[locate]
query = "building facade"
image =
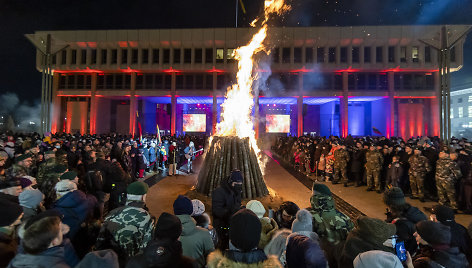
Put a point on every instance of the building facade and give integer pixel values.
(461, 113)
(327, 80)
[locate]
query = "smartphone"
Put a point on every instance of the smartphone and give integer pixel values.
(401, 251)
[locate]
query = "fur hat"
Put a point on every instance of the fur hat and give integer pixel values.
(269, 227)
(198, 207)
(303, 222)
(256, 207)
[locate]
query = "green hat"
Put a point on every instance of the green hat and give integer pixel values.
(137, 188)
(59, 168)
(49, 152)
(70, 175)
(22, 157)
(322, 189)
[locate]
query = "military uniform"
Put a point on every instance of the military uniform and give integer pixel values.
(17, 171)
(48, 176)
(419, 166)
(373, 166)
(341, 158)
(447, 174)
(131, 226)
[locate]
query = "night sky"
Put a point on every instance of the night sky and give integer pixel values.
(18, 17)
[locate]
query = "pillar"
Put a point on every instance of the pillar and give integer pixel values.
(436, 106)
(391, 98)
(56, 106)
(133, 106)
(300, 106)
(214, 107)
(93, 105)
(343, 106)
(173, 116)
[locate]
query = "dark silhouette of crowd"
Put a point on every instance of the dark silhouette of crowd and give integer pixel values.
(80, 201)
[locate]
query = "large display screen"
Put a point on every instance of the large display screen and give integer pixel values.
(194, 123)
(277, 123)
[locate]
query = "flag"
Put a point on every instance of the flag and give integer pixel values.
(376, 131)
(242, 6)
(158, 133)
(139, 128)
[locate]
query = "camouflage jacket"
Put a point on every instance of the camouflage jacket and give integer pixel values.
(16, 171)
(374, 160)
(329, 223)
(132, 227)
(44, 169)
(341, 157)
(447, 169)
(418, 165)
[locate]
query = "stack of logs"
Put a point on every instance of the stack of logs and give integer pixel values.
(228, 153)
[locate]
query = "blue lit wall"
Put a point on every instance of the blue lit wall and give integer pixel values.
(329, 119)
(364, 115)
(380, 112)
(311, 119)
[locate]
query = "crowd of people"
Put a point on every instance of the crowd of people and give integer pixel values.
(80, 201)
(424, 168)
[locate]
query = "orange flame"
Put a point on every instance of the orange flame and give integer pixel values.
(238, 104)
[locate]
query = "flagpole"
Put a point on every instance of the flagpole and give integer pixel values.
(237, 7)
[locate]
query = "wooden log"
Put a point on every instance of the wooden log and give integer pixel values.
(247, 172)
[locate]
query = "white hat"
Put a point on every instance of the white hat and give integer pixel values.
(256, 207)
(65, 186)
(198, 207)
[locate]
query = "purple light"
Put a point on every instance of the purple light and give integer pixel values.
(275, 101)
(364, 99)
(318, 101)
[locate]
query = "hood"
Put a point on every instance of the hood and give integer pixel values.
(52, 257)
(322, 203)
(188, 224)
(240, 260)
(374, 229)
(415, 215)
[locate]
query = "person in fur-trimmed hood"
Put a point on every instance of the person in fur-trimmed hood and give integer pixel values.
(244, 235)
(269, 226)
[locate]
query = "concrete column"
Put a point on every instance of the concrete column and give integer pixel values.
(133, 105)
(338, 55)
(300, 106)
(436, 111)
(214, 107)
(349, 55)
(93, 105)
(56, 106)
(344, 108)
(361, 55)
(173, 116)
(391, 98)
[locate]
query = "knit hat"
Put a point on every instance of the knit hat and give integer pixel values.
(443, 213)
(394, 196)
(44, 214)
(70, 175)
(31, 198)
(10, 212)
(65, 186)
(25, 182)
(322, 189)
(434, 233)
(303, 222)
(256, 207)
(304, 252)
(377, 259)
(168, 226)
(376, 229)
(198, 207)
(245, 230)
(183, 205)
(99, 259)
(137, 188)
(235, 176)
(59, 168)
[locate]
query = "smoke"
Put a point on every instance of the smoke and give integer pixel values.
(25, 115)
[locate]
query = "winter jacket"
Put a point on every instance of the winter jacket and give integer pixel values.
(358, 160)
(237, 259)
(394, 174)
(50, 258)
(449, 257)
(170, 257)
(225, 202)
(196, 241)
(269, 227)
(406, 227)
(75, 206)
(460, 238)
(8, 248)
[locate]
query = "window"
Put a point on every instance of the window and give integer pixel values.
(74, 56)
(148, 81)
(134, 56)
(62, 81)
(198, 55)
(469, 111)
(71, 81)
(230, 55)
(469, 100)
(199, 81)
(187, 55)
(286, 55)
(452, 113)
(308, 55)
(177, 52)
(124, 56)
(427, 54)
(209, 81)
(415, 54)
(80, 82)
(103, 58)
(209, 55)
(332, 54)
(94, 56)
(343, 54)
(64, 57)
(402, 54)
(179, 82)
(460, 112)
(379, 54)
(459, 100)
(54, 59)
(167, 81)
(88, 81)
(320, 54)
(145, 56)
(118, 81)
(114, 56)
(367, 56)
(166, 56)
(189, 82)
(220, 54)
(83, 56)
(127, 81)
(391, 54)
(276, 55)
(355, 54)
(155, 56)
(158, 80)
(297, 54)
(220, 81)
(453, 54)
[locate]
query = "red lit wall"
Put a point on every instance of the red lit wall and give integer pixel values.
(76, 119)
(410, 120)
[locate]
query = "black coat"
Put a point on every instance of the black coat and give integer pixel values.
(225, 202)
(451, 257)
(357, 160)
(460, 238)
(406, 227)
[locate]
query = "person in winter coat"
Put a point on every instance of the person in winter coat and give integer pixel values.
(244, 234)
(303, 225)
(31, 202)
(196, 241)
(226, 200)
(434, 240)
(357, 164)
(459, 236)
(394, 172)
(404, 216)
(369, 234)
(42, 245)
(377, 259)
(165, 251)
(203, 220)
(285, 215)
(11, 217)
(303, 251)
(116, 185)
(269, 226)
(152, 157)
(173, 159)
(278, 245)
(141, 164)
